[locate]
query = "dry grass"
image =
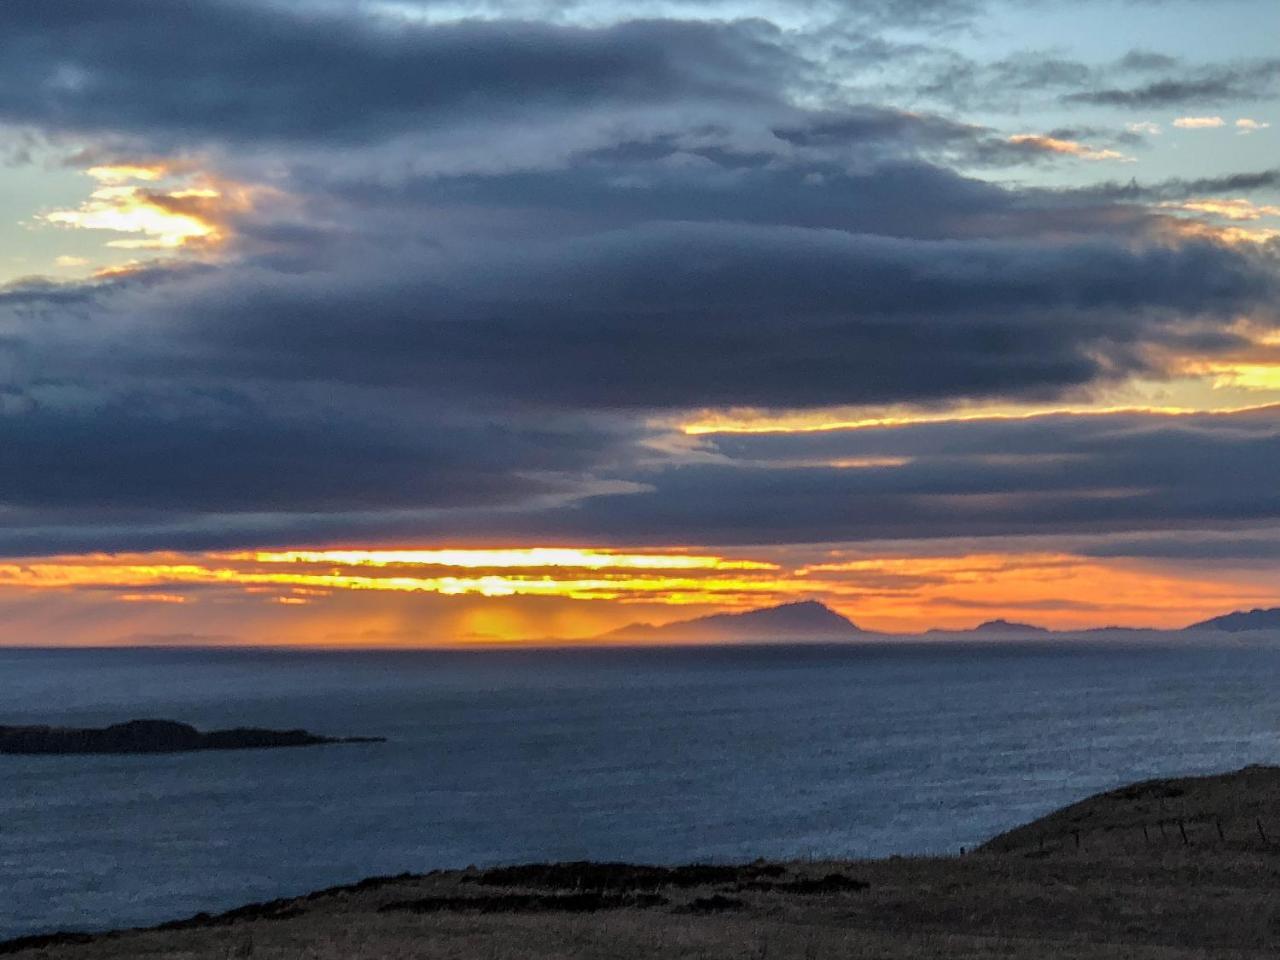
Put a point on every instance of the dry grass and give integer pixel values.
(1031, 893)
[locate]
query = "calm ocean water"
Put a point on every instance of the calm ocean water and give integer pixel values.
(656, 755)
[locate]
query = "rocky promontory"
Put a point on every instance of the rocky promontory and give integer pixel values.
(155, 736)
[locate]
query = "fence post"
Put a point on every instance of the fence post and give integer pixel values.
(1221, 835)
(1262, 833)
(1183, 830)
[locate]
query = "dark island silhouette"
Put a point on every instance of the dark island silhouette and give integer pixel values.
(804, 620)
(155, 736)
(1008, 626)
(997, 628)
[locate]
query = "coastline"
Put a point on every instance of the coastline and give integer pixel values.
(1162, 868)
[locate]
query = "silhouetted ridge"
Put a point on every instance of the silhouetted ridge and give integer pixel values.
(155, 736)
(1008, 626)
(1242, 620)
(805, 619)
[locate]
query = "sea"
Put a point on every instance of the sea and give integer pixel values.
(664, 755)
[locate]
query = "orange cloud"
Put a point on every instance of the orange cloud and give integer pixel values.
(817, 421)
(151, 598)
(1068, 147)
(1229, 209)
(1199, 123)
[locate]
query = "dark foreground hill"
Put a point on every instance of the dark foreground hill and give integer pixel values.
(154, 736)
(804, 620)
(1180, 869)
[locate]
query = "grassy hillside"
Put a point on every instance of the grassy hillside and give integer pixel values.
(1086, 881)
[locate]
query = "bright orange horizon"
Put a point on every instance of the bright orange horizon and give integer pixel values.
(435, 596)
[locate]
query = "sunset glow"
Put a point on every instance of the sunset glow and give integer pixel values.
(516, 557)
(893, 594)
(190, 212)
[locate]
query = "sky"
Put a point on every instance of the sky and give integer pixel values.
(346, 323)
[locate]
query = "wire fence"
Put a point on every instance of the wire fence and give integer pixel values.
(1236, 833)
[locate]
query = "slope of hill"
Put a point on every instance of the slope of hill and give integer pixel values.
(1241, 621)
(805, 620)
(1179, 869)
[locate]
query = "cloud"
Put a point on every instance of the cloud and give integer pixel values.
(1214, 83)
(1199, 123)
(181, 454)
(194, 214)
(1237, 209)
(1071, 148)
(1046, 78)
(1245, 126)
(470, 397)
(1194, 547)
(767, 315)
(1176, 188)
(328, 76)
(1045, 476)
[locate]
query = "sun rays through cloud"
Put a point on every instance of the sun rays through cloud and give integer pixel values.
(158, 207)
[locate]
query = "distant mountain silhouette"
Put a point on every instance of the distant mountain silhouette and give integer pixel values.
(806, 620)
(997, 628)
(1008, 626)
(1241, 621)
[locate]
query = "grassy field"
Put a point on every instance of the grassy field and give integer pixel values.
(1171, 868)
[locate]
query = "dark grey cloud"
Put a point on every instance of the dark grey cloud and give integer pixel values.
(414, 397)
(1045, 477)
(677, 315)
(867, 123)
(1115, 485)
(872, 133)
(1140, 79)
(221, 452)
(1175, 188)
(1206, 85)
(713, 185)
(1241, 546)
(237, 71)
